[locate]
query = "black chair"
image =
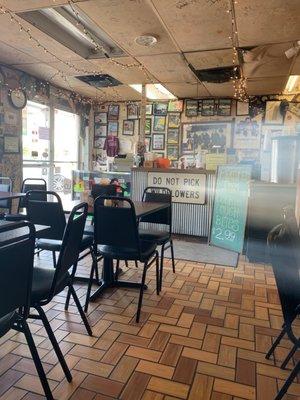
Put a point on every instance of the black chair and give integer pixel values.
(284, 246)
(15, 290)
(5, 186)
(51, 213)
(163, 217)
(48, 282)
(29, 184)
(116, 237)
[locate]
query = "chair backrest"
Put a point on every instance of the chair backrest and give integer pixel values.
(116, 225)
(284, 246)
(16, 269)
(158, 195)
(46, 212)
(71, 243)
(30, 184)
(103, 190)
(5, 186)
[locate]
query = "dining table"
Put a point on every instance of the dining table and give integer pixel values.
(108, 279)
(18, 233)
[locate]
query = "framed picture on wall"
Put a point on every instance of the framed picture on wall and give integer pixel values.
(207, 136)
(100, 130)
(173, 120)
(191, 108)
(224, 107)
(148, 109)
(112, 128)
(158, 141)
(159, 124)
(148, 124)
(160, 108)
(173, 136)
(11, 145)
(128, 127)
(99, 142)
(173, 152)
(113, 112)
(199, 107)
(208, 107)
(100, 118)
(242, 108)
(132, 111)
(175, 106)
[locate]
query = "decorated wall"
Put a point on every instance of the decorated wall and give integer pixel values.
(203, 131)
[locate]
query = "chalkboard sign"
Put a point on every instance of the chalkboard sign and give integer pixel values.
(230, 207)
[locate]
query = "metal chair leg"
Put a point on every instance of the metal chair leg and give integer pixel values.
(289, 356)
(136, 264)
(54, 343)
(81, 312)
(288, 382)
(276, 343)
(118, 269)
(69, 293)
(54, 259)
(141, 293)
(161, 265)
(157, 276)
(37, 361)
(94, 268)
(172, 255)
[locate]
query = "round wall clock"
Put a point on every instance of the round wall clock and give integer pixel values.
(18, 98)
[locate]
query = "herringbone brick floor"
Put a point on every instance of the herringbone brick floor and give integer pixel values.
(203, 338)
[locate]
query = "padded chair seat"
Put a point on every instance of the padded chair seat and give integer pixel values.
(42, 282)
(6, 322)
(15, 217)
(159, 237)
(55, 245)
(147, 249)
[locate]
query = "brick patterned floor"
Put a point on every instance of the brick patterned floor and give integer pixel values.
(203, 338)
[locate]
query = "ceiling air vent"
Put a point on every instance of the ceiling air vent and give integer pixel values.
(215, 75)
(99, 81)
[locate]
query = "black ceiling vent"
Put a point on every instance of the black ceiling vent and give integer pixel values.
(216, 75)
(99, 81)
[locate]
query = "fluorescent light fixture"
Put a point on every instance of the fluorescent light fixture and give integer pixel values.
(155, 91)
(293, 84)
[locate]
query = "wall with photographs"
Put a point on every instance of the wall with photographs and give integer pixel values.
(204, 132)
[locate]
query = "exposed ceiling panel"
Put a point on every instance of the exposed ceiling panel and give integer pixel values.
(210, 59)
(188, 90)
(196, 25)
(168, 68)
(267, 61)
(260, 86)
(220, 89)
(261, 22)
(10, 55)
(125, 20)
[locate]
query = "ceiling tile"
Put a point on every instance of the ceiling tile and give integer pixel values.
(196, 25)
(210, 59)
(168, 68)
(262, 22)
(296, 66)
(124, 20)
(25, 5)
(259, 86)
(220, 89)
(187, 90)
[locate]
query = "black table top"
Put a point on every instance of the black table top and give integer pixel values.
(10, 195)
(20, 233)
(141, 208)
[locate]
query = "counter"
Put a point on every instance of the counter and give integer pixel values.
(192, 192)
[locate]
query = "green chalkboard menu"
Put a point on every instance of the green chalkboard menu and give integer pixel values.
(230, 207)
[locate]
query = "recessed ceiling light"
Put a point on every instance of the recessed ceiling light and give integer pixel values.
(146, 40)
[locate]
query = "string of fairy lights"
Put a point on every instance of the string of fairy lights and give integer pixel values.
(239, 81)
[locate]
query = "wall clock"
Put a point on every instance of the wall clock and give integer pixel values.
(18, 98)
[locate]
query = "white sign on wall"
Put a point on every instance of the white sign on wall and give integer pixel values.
(186, 188)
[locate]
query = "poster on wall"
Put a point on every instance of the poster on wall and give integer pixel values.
(210, 136)
(246, 133)
(273, 114)
(268, 132)
(99, 142)
(173, 152)
(175, 106)
(11, 144)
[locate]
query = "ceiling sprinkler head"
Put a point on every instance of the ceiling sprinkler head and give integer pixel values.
(146, 40)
